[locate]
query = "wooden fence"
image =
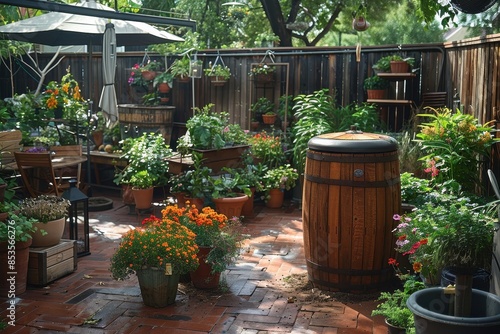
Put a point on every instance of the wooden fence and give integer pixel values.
(468, 71)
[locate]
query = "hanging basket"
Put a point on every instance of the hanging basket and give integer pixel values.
(472, 6)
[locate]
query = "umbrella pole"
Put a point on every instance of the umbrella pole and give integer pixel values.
(89, 115)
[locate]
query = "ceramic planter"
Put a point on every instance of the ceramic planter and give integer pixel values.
(431, 309)
(53, 233)
(400, 66)
(230, 206)
(269, 119)
(376, 94)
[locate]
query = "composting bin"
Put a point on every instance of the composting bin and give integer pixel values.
(351, 192)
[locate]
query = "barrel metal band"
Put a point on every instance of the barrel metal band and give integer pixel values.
(352, 159)
(349, 183)
(349, 272)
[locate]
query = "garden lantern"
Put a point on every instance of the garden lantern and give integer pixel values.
(79, 204)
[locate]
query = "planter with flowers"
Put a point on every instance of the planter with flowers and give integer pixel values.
(460, 236)
(14, 236)
(63, 100)
(158, 252)
(217, 237)
(218, 74)
(276, 181)
(267, 150)
(50, 213)
(263, 73)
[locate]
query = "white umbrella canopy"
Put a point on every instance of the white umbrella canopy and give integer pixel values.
(108, 102)
(57, 28)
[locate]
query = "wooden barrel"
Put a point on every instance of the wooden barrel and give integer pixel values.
(351, 192)
(136, 119)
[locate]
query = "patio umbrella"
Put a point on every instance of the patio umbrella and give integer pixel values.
(57, 29)
(108, 102)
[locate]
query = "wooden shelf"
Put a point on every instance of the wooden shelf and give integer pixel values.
(397, 76)
(390, 102)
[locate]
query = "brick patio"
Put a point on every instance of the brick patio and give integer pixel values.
(265, 292)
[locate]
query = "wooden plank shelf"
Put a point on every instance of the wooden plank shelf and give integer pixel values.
(390, 102)
(396, 76)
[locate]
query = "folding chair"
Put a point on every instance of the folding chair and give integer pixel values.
(37, 173)
(63, 175)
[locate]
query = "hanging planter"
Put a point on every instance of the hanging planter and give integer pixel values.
(218, 74)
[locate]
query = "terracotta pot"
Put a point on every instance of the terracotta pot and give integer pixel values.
(53, 233)
(203, 278)
(400, 66)
(199, 203)
(230, 206)
(148, 75)
(157, 289)
(143, 197)
(98, 138)
(269, 119)
(181, 199)
(127, 196)
(378, 94)
(247, 209)
(254, 125)
(21, 268)
(163, 87)
(276, 198)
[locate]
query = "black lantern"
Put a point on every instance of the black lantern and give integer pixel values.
(79, 204)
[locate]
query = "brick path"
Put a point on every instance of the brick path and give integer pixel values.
(267, 291)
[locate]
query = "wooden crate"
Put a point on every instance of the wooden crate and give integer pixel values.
(46, 264)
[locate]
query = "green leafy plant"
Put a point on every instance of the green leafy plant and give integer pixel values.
(180, 67)
(145, 153)
(285, 107)
(206, 128)
(158, 243)
(317, 113)
(163, 77)
(212, 230)
(154, 66)
(44, 208)
(283, 177)
(375, 82)
(233, 134)
(23, 226)
(195, 182)
(393, 306)
(229, 184)
(218, 70)
(454, 146)
(142, 180)
(261, 106)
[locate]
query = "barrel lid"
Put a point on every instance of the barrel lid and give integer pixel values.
(353, 141)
